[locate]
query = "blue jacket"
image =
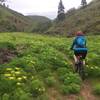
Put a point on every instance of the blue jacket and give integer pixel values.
(75, 47)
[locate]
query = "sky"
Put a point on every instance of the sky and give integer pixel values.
(42, 7)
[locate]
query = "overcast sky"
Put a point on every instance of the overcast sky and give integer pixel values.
(42, 7)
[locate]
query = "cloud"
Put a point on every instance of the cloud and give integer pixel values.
(41, 6)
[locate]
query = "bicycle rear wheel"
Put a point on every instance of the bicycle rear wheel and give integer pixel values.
(81, 71)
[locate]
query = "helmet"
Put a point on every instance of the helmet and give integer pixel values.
(79, 33)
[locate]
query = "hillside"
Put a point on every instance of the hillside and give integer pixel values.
(39, 19)
(36, 67)
(86, 19)
(40, 23)
(13, 21)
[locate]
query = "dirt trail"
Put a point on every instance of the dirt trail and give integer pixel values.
(85, 94)
(86, 91)
(54, 94)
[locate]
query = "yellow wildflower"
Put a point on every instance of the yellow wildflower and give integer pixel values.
(17, 68)
(92, 68)
(17, 72)
(87, 66)
(43, 89)
(96, 67)
(68, 77)
(39, 89)
(19, 79)
(11, 78)
(7, 75)
(8, 69)
(32, 77)
(32, 62)
(24, 77)
(18, 83)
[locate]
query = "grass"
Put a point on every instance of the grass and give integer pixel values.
(41, 62)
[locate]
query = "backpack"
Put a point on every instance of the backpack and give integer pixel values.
(81, 41)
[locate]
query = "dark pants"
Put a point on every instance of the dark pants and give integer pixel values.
(83, 53)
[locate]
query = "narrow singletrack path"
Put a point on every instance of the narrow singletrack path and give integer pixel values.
(85, 93)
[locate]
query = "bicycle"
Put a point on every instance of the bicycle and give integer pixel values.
(79, 67)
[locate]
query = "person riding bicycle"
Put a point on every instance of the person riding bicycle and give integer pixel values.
(79, 47)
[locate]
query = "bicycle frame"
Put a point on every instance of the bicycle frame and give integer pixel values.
(80, 67)
(80, 59)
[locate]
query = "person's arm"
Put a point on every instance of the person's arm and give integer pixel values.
(73, 44)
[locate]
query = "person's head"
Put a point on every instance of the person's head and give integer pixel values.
(79, 33)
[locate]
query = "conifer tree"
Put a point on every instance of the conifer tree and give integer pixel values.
(2, 2)
(61, 12)
(83, 3)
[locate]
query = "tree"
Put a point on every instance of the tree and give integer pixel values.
(61, 12)
(83, 3)
(2, 1)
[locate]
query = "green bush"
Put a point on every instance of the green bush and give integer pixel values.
(37, 87)
(7, 45)
(50, 81)
(6, 96)
(69, 77)
(41, 97)
(72, 78)
(46, 73)
(96, 89)
(70, 89)
(42, 27)
(20, 94)
(62, 71)
(7, 86)
(93, 71)
(54, 58)
(75, 88)
(71, 82)
(64, 89)
(41, 65)
(22, 62)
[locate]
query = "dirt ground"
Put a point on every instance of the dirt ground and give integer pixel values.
(6, 55)
(85, 94)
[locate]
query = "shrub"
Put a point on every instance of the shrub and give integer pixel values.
(54, 58)
(46, 73)
(70, 89)
(72, 78)
(37, 87)
(62, 71)
(50, 81)
(7, 86)
(75, 88)
(5, 97)
(64, 89)
(93, 71)
(69, 77)
(41, 97)
(23, 62)
(42, 27)
(20, 94)
(7, 45)
(96, 89)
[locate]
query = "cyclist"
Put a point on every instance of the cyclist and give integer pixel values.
(79, 47)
